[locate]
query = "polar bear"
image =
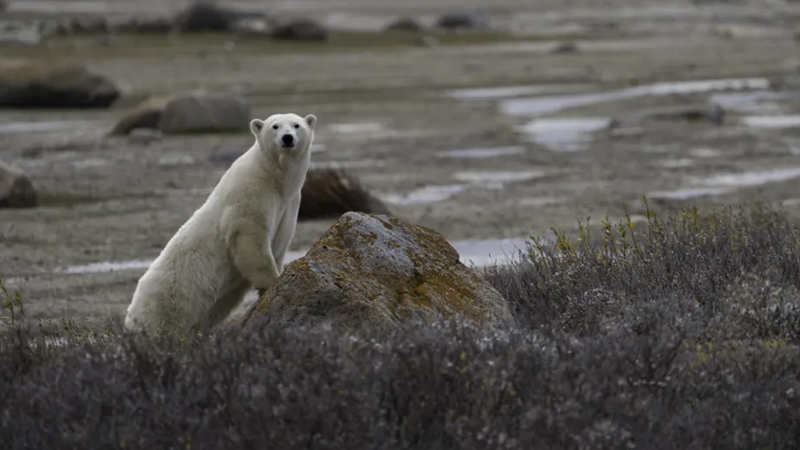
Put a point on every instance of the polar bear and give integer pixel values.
(235, 241)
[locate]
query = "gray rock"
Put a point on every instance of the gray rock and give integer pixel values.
(16, 189)
(203, 113)
(43, 85)
(376, 271)
(565, 47)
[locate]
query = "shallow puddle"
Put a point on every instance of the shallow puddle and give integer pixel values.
(427, 194)
(754, 178)
(538, 106)
(482, 153)
(134, 264)
(724, 183)
(674, 163)
(499, 176)
(477, 252)
(497, 93)
(789, 121)
(564, 135)
(357, 128)
(706, 152)
(108, 266)
(759, 102)
(688, 193)
(539, 201)
(491, 251)
(345, 164)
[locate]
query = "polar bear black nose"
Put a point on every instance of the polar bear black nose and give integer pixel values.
(287, 139)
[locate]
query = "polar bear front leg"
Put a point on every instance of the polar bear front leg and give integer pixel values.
(252, 255)
(285, 232)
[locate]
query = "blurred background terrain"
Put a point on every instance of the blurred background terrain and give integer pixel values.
(487, 121)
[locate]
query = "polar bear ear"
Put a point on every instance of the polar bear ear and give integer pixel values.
(311, 120)
(256, 125)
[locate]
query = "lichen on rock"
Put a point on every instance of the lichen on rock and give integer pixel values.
(376, 271)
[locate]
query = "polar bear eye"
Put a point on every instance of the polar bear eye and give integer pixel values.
(297, 125)
(275, 127)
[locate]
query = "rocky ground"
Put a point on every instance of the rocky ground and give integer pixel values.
(551, 136)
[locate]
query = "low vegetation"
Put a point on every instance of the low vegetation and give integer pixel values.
(678, 332)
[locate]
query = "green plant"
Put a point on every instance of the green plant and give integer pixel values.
(12, 310)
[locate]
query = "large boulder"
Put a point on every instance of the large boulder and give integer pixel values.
(376, 271)
(42, 85)
(187, 113)
(331, 192)
(16, 189)
(194, 113)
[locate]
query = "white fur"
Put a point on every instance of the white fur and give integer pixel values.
(235, 241)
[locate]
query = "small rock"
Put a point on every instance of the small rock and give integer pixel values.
(404, 24)
(204, 113)
(329, 193)
(463, 19)
(565, 47)
(16, 189)
(300, 30)
(376, 271)
(43, 85)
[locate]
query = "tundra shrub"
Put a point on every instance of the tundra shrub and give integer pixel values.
(675, 333)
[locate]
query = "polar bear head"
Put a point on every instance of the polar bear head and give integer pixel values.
(284, 132)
